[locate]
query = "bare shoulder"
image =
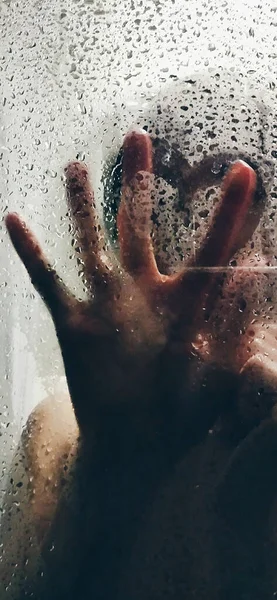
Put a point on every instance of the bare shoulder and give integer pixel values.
(35, 483)
(48, 445)
(50, 430)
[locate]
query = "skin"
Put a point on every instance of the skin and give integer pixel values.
(132, 353)
(174, 168)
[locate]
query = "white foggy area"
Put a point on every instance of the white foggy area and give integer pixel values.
(75, 76)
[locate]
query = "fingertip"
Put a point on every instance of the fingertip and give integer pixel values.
(15, 224)
(11, 218)
(75, 170)
(240, 177)
(78, 188)
(137, 154)
(137, 133)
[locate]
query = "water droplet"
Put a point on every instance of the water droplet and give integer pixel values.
(81, 156)
(242, 305)
(52, 174)
(216, 167)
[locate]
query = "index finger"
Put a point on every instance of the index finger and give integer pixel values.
(237, 195)
(196, 282)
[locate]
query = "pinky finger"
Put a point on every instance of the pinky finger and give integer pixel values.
(44, 278)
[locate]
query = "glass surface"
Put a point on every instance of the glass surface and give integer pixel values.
(75, 77)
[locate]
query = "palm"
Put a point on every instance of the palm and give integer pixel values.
(129, 349)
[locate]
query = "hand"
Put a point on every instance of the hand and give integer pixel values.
(132, 357)
(129, 349)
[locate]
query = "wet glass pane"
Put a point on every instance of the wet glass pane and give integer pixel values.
(200, 79)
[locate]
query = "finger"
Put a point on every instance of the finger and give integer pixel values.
(43, 276)
(237, 196)
(90, 237)
(228, 223)
(201, 278)
(135, 211)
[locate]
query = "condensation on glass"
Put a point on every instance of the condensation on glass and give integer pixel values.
(75, 76)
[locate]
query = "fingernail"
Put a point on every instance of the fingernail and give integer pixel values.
(240, 175)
